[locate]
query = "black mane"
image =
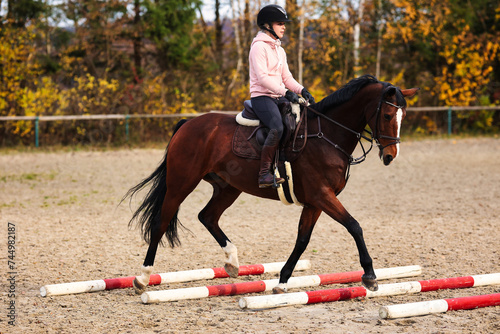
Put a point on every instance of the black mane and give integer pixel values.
(345, 93)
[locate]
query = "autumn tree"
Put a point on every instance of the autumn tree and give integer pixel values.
(162, 56)
(169, 25)
(97, 27)
(329, 54)
(451, 44)
(19, 12)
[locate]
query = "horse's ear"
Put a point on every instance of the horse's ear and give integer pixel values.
(390, 91)
(410, 92)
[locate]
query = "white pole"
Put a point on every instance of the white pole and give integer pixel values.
(231, 289)
(438, 306)
(318, 296)
(163, 278)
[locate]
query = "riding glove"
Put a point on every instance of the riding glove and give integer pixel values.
(306, 95)
(292, 97)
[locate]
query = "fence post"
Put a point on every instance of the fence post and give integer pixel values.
(36, 131)
(449, 121)
(127, 117)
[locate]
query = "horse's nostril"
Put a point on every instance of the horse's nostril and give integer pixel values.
(388, 159)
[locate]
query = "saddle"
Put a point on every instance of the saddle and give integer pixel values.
(250, 135)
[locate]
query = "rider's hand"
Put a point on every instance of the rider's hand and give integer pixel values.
(292, 97)
(306, 95)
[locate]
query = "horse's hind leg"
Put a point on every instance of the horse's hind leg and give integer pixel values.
(164, 222)
(223, 197)
(168, 218)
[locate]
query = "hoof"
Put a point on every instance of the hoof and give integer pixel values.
(138, 287)
(370, 283)
(278, 291)
(231, 270)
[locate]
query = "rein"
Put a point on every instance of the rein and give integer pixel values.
(320, 135)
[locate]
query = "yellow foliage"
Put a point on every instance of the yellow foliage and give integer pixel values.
(44, 99)
(17, 71)
(16, 67)
(154, 92)
(160, 98)
(92, 95)
(469, 60)
(316, 89)
(430, 124)
(397, 80)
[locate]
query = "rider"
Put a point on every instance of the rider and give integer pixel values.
(270, 83)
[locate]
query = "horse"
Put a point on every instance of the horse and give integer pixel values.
(200, 149)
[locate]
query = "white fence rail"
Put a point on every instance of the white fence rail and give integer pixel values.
(38, 119)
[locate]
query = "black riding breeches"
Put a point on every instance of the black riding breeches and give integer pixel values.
(268, 112)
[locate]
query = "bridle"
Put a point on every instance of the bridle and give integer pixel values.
(377, 136)
(370, 137)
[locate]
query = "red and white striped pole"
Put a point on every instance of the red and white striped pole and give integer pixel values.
(438, 306)
(171, 277)
(322, 296)
(150, 297)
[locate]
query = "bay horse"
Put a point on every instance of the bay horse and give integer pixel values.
(201, 149)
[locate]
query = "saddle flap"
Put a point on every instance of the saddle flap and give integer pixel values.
(244, 143)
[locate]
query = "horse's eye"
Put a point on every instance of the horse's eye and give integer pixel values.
(387, 117)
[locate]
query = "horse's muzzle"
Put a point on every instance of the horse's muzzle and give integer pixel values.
(388, 153)
(388, 159)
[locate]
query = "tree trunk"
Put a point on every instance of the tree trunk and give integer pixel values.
(247, 38)
(379, 49)
(357, 32)
(239, 49)
(137, 41)
(10, 14)
(380, 28)
(292, 31)
(206, 32)
(218, 36)
(301, 43)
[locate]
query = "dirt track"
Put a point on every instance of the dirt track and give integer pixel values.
(436, 206)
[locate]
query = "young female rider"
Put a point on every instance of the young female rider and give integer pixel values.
(270, 82)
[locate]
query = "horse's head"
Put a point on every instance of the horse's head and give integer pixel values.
(386, 124)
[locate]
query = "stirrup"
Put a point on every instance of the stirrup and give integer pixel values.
(275, 182)
(274, 185)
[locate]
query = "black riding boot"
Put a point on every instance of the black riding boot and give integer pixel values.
(266, 179)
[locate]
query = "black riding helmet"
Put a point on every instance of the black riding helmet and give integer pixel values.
(269, 14)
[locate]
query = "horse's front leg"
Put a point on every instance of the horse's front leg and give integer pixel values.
(307, 221)
(336, 210)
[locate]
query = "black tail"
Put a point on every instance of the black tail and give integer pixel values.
(148, 215)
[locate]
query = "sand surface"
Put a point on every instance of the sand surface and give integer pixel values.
(437, 205)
